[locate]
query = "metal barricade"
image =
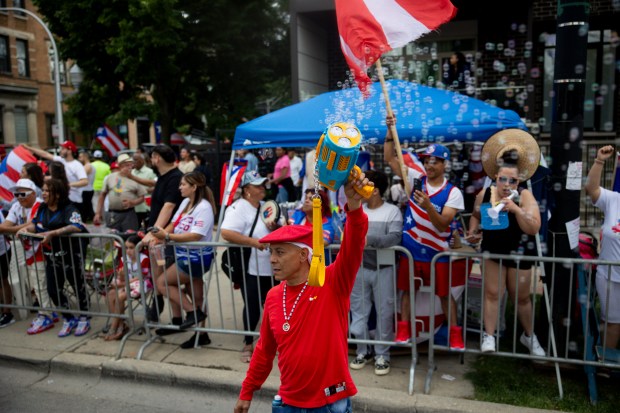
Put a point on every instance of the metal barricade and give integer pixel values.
(581, 296)
(70, 276)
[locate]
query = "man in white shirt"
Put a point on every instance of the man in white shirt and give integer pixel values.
(19, 216)
(296, 165)
(76, 174)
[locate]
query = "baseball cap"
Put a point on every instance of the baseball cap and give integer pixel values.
(69, 145)
(114, 165)
(436, 150)
(299, 235)
(24, 183)
(97, 154)
(123, 157)
(252, 178)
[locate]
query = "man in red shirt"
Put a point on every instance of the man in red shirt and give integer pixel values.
(307, 326)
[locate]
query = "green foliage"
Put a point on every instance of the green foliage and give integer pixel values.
(172, 60)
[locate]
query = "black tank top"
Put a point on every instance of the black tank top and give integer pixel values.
(509, 241)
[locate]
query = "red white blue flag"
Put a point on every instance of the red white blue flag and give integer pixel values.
(370, 28)
(10, 169)
(109, 140)
(412, 161)
(228, 191)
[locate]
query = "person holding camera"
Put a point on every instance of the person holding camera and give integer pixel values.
(433, 204)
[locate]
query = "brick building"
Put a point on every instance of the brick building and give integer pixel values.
(27, 90)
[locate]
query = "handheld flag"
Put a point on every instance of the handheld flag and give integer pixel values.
(236, 174)
(370, 28)
(10, 169)
(109, 140)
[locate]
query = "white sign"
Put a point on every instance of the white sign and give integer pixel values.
(54, 130)
(572, 229)
(573, 176)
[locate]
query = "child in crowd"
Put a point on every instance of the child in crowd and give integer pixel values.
(136, 269)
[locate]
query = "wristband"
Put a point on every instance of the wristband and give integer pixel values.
(389, 140)
(167, 237)
(598, 161)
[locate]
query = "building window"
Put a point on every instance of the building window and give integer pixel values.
(1, 125)
(3, 4)
(50, 53)
(600, 82)
(5, 56)
(21, 125)
(19, 4)
(23, 62)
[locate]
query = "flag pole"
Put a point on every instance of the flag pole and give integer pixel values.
(613, 175)
(388, 106)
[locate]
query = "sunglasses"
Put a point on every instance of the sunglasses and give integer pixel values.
(506, 180)
(22, 194)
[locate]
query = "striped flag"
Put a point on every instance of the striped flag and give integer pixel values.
(109, 140)
(10, 169)
(370, 28)
(233, 183)
(412, 161)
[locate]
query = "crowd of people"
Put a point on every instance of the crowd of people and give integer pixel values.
(182, 209)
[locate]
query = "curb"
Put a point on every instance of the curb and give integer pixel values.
(367, 400)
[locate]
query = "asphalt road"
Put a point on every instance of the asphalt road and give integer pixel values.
(23, 390)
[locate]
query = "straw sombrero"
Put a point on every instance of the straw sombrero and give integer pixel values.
(516, 140)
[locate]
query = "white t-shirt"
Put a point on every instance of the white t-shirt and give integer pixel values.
(609, 203)
(296, 165)
(198, 220)
(239, 218)
(75, 171)
(455, 199)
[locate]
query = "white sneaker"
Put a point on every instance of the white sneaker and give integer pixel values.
(532, 345)
(488, 343)
(382, 366)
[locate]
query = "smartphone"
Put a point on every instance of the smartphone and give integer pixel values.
(417, 184)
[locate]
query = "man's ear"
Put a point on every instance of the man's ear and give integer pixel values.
(303, 255)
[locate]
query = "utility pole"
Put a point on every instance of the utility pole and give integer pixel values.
(566, 136)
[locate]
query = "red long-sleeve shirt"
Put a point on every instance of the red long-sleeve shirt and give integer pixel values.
(313, 354)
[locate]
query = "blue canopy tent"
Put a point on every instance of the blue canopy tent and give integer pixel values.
(424, 114)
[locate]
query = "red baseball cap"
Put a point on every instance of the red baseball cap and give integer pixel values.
(69, 145)
(114, 165)
(295, 234)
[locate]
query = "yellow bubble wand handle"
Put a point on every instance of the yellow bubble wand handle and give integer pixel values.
(316, 277)
(366, 190)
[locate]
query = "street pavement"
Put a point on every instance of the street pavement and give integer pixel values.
(217, 367)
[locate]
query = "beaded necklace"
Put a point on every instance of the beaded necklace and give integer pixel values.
(286, 326)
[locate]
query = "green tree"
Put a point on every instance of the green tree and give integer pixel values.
(176, 61)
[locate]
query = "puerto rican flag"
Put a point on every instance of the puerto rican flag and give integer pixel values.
(370, 28)
(228, 191)
(109, 140)
(412, 161)
(10, 169)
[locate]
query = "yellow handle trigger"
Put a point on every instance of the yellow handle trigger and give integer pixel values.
(366, 190)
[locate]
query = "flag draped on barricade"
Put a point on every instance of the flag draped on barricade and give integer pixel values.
(370, 28)
(109, 140)
(10, 169)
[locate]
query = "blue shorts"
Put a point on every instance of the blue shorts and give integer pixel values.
(195, 268)
(340, 406)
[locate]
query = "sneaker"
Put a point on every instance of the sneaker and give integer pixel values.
(488, 343)
(193, 317)
(382, 366)
(55, 317)
(456, 338)
(67, 327)
(360, 361)
(6, 319)
(203, 340)
(83, 327)
(532, 345)
(403, 332)
(40, 324)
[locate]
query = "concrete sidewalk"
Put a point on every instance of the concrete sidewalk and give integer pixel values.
(217, 367)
